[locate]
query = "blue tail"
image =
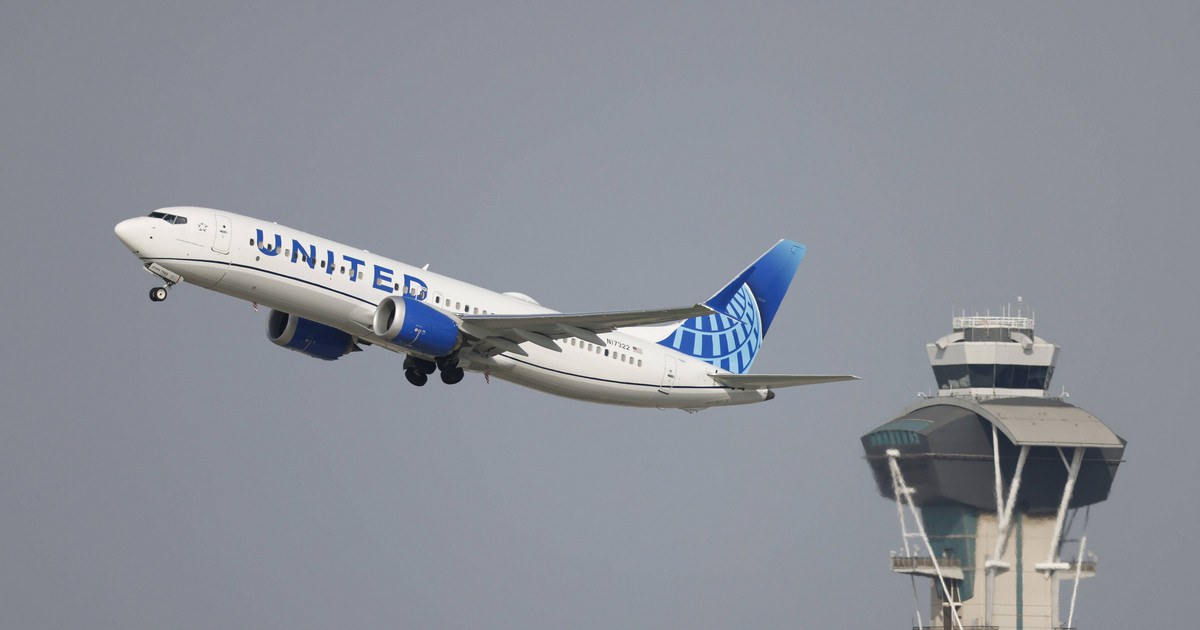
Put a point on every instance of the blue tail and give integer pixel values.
(747, 306)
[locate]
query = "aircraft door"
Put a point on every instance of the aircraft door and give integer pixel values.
(670, 370)
(223, 235)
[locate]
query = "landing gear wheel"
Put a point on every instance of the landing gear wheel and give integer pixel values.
(425, 367)
(452, 376)
(158, 294)
(416, 378)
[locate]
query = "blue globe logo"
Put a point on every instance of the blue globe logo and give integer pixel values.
(728, 341)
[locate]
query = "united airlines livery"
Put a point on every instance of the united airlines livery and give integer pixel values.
(328, 299)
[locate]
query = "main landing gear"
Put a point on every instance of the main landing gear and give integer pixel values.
(451, 373)
(417, 371)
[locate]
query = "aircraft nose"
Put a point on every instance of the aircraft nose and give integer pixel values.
(128, 232)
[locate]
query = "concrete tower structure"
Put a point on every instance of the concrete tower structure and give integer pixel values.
(989, 476)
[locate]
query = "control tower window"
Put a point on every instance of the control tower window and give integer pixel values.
(1039, 376)
(983, 375)
(951, 376)
(988, 375)
(1020, 377)
(1004, 375)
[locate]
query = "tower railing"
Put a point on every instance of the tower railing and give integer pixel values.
(923, 562)
(988, 321)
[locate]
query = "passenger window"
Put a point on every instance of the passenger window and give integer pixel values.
(639, 363)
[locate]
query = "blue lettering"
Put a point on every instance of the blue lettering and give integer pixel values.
(354, 263)
(383, 279)
(415, 287)
(268, 250)
(329, 262)
(309, 257)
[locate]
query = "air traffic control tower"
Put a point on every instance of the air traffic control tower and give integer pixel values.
(993, 481)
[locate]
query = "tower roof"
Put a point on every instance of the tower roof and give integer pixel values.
(1028, 421)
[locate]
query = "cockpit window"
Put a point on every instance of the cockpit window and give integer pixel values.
(169, 218)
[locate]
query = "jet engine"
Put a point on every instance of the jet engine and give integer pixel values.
(308, 337)
(416, 326)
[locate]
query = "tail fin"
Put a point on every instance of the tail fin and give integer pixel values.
(746, 307)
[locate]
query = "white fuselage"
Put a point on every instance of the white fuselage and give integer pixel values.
(340, 286)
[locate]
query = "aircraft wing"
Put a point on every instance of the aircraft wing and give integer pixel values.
(494, 334)
(759, 381)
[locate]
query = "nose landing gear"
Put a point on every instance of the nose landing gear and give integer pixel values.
(158, 294)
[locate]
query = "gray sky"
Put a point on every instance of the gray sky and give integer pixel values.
(163, 465)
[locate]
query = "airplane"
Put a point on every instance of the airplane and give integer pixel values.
(328, 299)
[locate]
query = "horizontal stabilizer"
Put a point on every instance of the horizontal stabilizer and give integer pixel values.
(760, 381)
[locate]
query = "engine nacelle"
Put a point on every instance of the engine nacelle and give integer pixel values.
(308, 337)
(416, 326)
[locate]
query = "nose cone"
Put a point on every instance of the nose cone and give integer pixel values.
(129, 232)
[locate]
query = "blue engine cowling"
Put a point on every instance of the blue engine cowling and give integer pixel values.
(308, 337)
(416, 326)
